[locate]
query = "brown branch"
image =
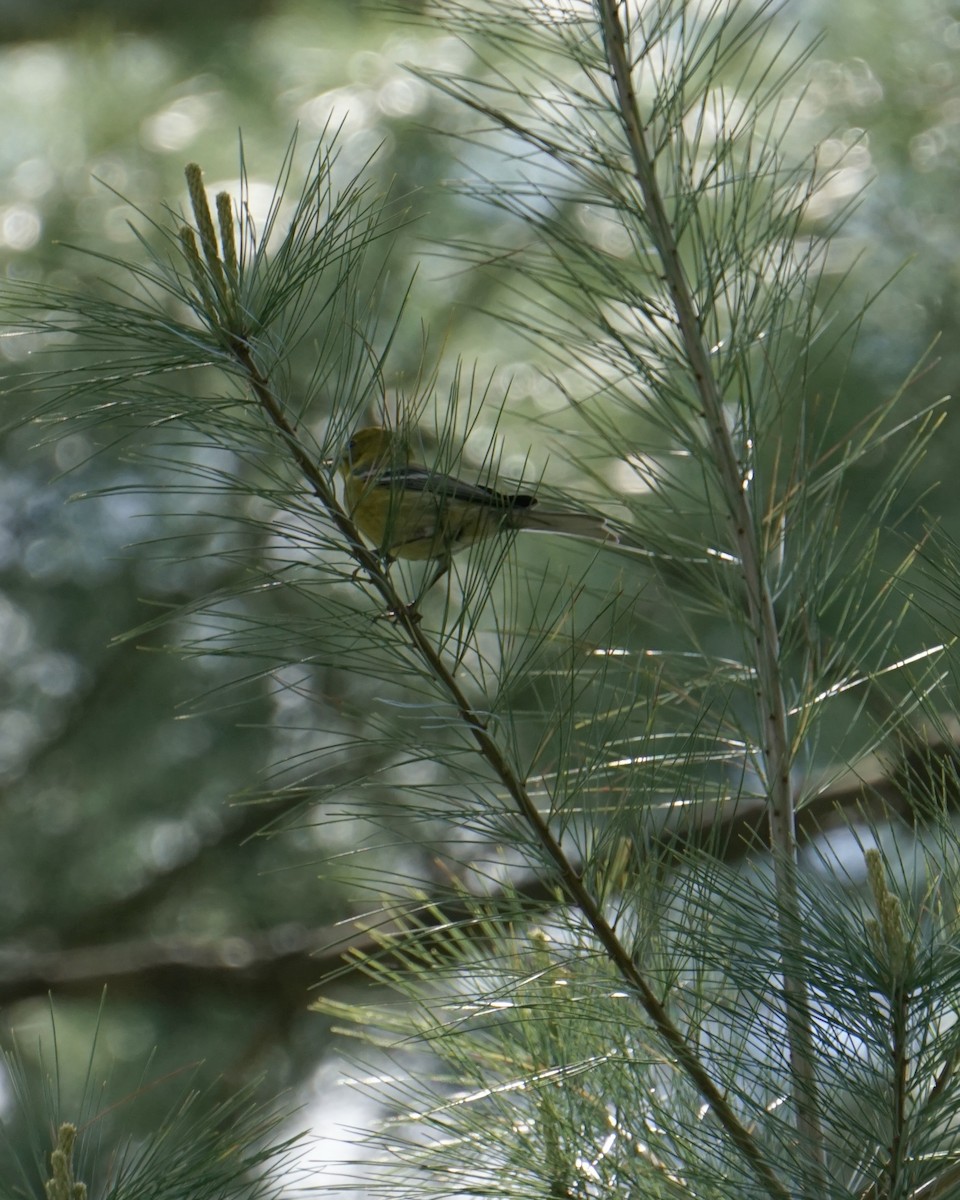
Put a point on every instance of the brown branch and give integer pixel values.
(287, 959)
(871, 792)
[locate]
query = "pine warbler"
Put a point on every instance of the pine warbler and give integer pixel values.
(414, 512)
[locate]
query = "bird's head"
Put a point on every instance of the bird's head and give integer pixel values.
(367, 448)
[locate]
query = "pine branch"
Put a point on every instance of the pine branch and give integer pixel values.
(409, 624)
(771, 705)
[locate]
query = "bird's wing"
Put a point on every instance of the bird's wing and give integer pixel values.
(448, 487)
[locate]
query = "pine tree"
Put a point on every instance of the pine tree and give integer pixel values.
(625, 976)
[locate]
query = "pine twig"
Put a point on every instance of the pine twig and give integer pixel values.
(771, 703)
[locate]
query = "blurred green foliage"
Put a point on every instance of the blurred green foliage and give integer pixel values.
(122, 767)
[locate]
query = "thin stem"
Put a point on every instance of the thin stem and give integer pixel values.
(900, 1007)
(889, 940)
(771, 705)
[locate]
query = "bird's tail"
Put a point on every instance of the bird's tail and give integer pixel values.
(574, 524)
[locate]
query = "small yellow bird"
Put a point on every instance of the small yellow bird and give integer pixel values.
(414, 512)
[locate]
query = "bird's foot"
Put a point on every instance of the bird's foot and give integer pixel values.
(407, 614)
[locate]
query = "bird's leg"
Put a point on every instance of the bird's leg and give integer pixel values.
(443, 566)
(385, 560)
(411, 609)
